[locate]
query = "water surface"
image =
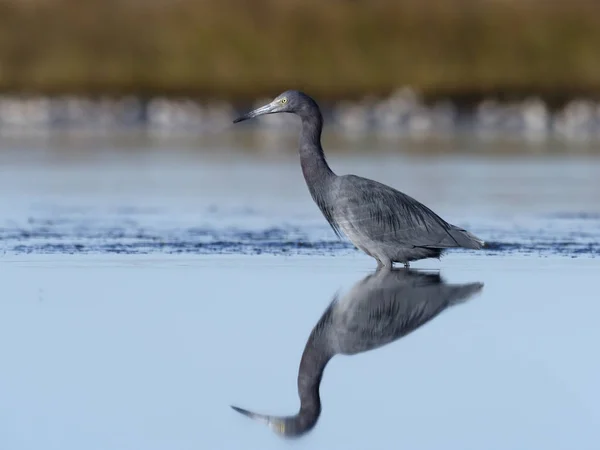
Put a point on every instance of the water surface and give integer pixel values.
(144, 292)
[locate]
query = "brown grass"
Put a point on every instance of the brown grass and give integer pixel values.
(332, 48)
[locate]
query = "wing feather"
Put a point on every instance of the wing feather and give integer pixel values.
(385, 214)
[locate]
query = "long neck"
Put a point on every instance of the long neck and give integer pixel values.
(314, 166)
(315, 357)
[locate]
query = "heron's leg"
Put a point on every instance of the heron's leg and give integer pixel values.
(406, 265)
(384, 262)
(382, 267)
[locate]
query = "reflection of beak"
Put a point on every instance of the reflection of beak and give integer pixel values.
(273, 422)
(267, 109)
(258, 417)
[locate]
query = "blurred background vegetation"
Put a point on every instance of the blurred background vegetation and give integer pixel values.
(464, 50)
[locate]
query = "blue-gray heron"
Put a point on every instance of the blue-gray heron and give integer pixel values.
(384, 223)
(379, 309)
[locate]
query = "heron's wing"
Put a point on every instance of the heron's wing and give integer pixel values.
(387, 314)
(382, 213)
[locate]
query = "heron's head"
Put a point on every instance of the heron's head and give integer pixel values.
(289, 427)
(289, 102)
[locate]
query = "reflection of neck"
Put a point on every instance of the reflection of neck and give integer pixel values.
(313, 362)
(314, 166)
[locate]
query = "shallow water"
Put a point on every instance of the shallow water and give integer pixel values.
(145, 292)
(148, 352)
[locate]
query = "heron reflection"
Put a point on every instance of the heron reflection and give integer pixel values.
(382, 307)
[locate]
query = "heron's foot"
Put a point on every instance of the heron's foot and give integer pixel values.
(384, 265)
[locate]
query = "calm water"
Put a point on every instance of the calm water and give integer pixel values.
(145, 290)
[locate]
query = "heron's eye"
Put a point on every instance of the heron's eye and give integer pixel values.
(283, 101)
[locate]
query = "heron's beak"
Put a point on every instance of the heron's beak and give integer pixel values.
(267, 109)
(275, 423)
(258, 417)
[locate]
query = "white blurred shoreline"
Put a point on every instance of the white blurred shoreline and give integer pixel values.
(402, 115)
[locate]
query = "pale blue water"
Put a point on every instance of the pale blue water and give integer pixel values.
(143, 293)
(135, 352)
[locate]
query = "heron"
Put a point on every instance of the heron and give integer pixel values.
(379, 309)
(383, 222)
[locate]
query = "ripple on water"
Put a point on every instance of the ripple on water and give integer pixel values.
(130, 232)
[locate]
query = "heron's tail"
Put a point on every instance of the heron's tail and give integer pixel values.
(465, 239)
(463, 292)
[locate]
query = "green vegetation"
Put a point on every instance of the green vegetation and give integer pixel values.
(335, 49)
